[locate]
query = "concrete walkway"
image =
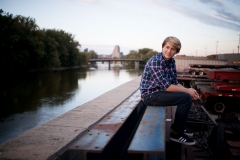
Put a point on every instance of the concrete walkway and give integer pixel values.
(49, 140)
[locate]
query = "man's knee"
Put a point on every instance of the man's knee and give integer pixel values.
(187, 99)
(187, 96)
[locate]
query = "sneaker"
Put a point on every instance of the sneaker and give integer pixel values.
(188, 133)
(181, 139)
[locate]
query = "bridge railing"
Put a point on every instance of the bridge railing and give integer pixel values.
(100, 60)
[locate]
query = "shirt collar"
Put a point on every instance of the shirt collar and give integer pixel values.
(166, 61)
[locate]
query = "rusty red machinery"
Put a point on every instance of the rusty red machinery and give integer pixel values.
(219, 90)
(199, 69)
(223, 91)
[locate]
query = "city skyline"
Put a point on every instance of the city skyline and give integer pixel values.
(203, 27)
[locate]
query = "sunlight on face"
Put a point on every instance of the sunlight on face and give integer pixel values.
(169, 51)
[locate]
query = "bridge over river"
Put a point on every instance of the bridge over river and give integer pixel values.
(115, 61)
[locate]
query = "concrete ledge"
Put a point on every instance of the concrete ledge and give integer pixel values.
(49, 140)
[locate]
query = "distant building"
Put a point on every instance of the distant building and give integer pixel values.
(183, 62)
(116, 53)
(86, 50)
(231, 58)
(121, 54)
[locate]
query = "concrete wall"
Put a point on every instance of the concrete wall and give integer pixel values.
(183, 63)
(230, 58)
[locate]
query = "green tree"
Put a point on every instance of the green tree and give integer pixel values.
(144, 51)
(67, 47)
(144, 54)
(16, 39)
(92, 55)
(24, 46)
(38, 50)
(51, 56)
(149, 54)
(82, 58)
(132, 55)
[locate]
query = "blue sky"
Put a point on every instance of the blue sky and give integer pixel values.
(204, 27)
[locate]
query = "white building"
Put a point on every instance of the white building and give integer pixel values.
(116, 53)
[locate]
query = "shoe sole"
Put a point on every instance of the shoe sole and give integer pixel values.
(190, 135)
(189, 143)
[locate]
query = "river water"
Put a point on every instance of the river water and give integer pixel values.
(32, 99)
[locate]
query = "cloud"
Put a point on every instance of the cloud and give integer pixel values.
(220, 10)
(90, 1)
(218, 17)
(206, 35)
(213, 2)
(122, 5)
(210, 20)
(226, 15)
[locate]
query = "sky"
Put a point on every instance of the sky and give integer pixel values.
(204, 27)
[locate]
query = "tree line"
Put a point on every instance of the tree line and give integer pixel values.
(24, 46)
(144, 54)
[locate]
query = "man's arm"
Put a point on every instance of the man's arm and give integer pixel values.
(180, 85)
(177, 88)
(180, 88)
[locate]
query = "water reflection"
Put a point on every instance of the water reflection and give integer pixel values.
(33, 99)
(33, 90)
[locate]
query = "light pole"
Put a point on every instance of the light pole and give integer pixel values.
(205, 51)
(216, 47)
(238, 43)
(238, 48)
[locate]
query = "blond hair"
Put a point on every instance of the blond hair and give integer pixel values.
(175, 42)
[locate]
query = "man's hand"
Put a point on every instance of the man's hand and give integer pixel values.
(180, 88)
(193, 93)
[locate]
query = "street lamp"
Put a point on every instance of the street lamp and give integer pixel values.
(238, 54)
(205, 50)
(238, 47)
(238, 43)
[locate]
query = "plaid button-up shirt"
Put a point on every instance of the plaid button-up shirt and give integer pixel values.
(158, 75)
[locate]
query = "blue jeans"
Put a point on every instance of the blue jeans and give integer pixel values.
(182, 100)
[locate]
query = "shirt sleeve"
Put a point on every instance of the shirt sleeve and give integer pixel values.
(157, 71)
(175, 81)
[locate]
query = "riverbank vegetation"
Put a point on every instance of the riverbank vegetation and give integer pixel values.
(144, 54)
(24, 46)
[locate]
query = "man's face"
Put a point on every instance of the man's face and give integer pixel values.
(169, 51)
